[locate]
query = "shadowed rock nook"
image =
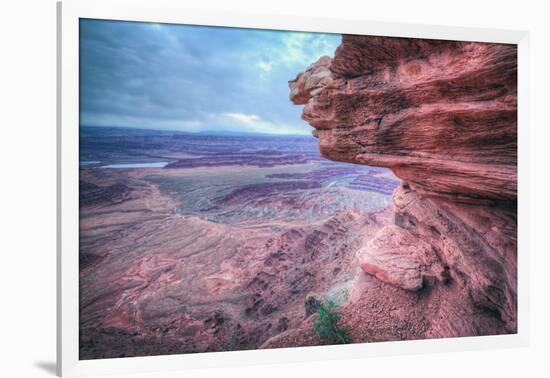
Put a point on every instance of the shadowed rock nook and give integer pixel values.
(442, 115)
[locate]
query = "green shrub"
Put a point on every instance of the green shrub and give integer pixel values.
(325, 324)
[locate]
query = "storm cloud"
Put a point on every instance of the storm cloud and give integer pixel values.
(193, 78)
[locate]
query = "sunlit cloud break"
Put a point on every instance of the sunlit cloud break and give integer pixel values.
(246, 118)
(253, 123)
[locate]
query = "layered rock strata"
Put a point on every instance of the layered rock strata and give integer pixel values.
(442, 115)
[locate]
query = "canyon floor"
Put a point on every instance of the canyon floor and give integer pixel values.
(201, 243)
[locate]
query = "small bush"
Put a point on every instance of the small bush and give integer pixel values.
(325, 324)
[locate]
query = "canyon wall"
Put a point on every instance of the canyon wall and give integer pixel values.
(442, 115)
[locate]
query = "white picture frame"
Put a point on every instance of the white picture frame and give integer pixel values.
(166, 11)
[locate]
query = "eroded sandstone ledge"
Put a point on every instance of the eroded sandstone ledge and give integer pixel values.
(443, 116)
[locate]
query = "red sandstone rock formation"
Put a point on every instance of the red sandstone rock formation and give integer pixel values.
(442, 116)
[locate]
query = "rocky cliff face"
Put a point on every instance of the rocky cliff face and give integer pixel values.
(443, 116)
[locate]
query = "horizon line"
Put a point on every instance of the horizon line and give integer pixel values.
(194, 132)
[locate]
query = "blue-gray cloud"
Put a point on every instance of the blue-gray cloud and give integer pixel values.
(193, 78)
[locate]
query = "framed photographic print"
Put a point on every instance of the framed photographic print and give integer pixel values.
(240, 189)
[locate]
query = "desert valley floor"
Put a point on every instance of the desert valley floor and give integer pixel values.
(194, 243)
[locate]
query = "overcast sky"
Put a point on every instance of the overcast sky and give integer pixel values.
(193, 78)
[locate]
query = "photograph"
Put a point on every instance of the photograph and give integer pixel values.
(245, 189)
(275, 189)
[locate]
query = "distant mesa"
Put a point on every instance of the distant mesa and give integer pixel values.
(258, 159)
